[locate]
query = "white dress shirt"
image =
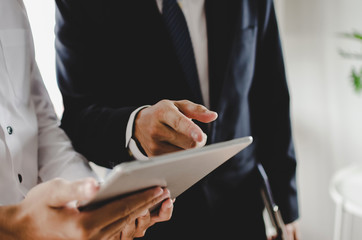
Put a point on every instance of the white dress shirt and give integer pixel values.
(32, 146)
(194, 12)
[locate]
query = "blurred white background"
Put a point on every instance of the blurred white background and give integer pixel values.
(42, 19)
(326, 112)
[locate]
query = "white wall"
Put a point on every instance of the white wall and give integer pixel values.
(42, 19)
(326, 112)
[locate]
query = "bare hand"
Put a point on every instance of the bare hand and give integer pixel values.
(45, 213)
(292, 231)
(138, 228)
(168, 127)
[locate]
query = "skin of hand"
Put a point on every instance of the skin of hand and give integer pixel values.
(167, 126)
(46, 212)
(292, 231)
(139, 227)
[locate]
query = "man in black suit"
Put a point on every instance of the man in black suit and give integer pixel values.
(133, 74)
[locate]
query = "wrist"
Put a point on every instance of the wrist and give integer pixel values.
(136, 119)
(131, 124)
(134, 147)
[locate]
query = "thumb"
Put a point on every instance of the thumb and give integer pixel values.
(61, 192)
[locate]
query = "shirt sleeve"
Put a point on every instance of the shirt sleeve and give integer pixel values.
(130, 142)
(56, 156)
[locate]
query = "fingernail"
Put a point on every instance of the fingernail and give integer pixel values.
(168, 203)
(194, 136)
(158, 192)
(168, 192)
(204, 136)
(88, 189)
(144, 213)
(202, 142)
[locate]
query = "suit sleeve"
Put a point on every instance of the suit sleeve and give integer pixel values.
(96, 128)
(271, 115)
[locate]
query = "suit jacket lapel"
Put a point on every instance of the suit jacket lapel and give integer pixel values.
(226, 21)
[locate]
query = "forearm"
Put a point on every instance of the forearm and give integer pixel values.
(98, 132)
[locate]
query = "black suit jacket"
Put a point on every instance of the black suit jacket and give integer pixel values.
(114, 56)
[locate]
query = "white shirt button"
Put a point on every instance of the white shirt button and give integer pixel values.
(10, 130)
(20, 178)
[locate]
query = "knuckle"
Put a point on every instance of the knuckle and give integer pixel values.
(200, 108)
(178, 123)
(185, 101)
(58, 182)
(189, 126)
(158, 113)
(164, 102)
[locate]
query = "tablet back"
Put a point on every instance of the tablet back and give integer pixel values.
(176, 171)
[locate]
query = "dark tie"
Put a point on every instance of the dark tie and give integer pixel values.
(177, 27)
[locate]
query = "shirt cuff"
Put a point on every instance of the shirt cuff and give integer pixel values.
(130, 142)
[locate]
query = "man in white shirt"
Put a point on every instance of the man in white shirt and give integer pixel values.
(33, 150)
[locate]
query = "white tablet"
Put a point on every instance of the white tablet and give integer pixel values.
(176, 171)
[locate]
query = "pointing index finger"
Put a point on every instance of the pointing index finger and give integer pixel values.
(182, 124)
